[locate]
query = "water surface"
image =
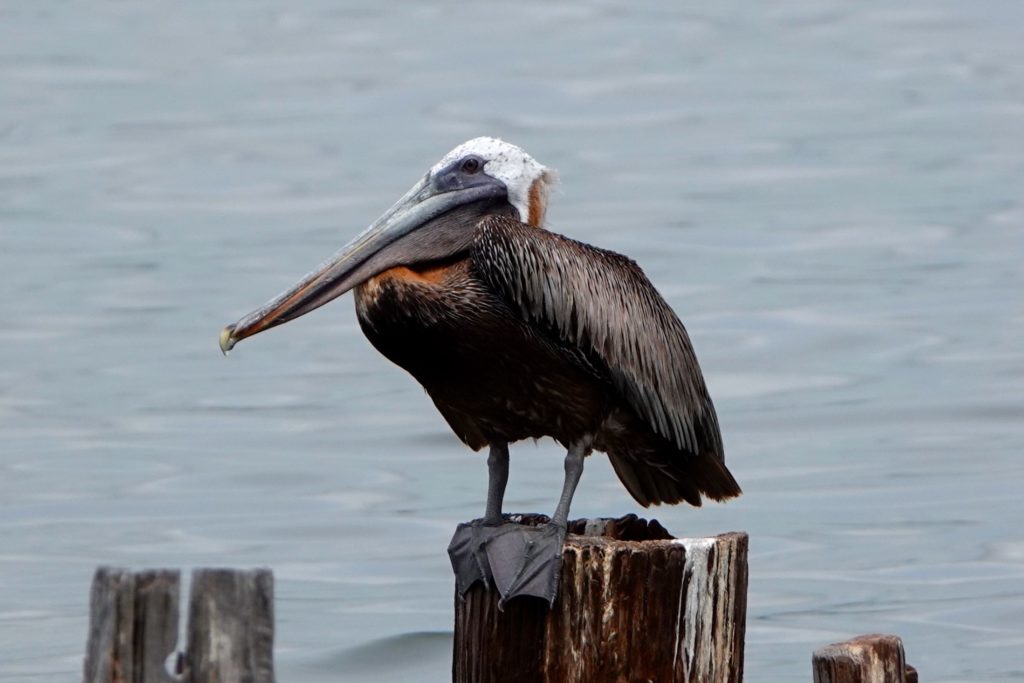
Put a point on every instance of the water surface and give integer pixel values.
(830, 195)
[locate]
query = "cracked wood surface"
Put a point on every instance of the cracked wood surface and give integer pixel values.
(870, 658)
(634, 604)
(133, 627)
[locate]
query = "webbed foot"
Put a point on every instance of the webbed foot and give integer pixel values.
(469, 560)
(526, 560)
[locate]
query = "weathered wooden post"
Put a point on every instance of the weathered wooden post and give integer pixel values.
(231, 627)
(133, 627)
(871, 658)
(634, 604)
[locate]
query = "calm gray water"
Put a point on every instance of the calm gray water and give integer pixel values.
(830, 194)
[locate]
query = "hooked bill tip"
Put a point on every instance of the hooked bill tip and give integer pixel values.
(226, 341)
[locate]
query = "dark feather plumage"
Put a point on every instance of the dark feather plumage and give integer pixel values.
(533, 334)
(601, 302)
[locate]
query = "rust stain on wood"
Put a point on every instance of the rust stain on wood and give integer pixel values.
(870, 658)
(633, 605)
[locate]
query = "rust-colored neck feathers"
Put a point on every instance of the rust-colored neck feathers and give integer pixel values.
(538, 200)
(430, 274)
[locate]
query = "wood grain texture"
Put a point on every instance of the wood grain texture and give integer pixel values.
(871, 658)
(231, 627)
(632, 606)
(156, 623)
(111, 610)
(133, 626)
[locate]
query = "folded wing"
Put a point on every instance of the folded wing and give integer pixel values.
(603, 304)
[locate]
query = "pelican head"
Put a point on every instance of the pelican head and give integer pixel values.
(434, 220)
(526, 181)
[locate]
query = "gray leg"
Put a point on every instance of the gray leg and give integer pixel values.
(528, 560)
(497, 471)
(467, 548)
(573, 472)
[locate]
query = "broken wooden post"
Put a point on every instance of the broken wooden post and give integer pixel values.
(634, 604)
(231, 626)
(133, 627)
(871, 658)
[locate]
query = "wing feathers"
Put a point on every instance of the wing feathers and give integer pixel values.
(602, 303)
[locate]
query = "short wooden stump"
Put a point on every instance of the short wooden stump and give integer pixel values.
(634, 604)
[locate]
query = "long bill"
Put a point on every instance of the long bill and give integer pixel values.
(341, 272)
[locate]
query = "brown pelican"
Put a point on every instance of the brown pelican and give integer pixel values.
(516, 332)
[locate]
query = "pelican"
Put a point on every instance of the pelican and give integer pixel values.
(516, 332)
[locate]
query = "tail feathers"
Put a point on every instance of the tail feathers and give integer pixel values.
(672, 478)
(655, 470)
(716, 481)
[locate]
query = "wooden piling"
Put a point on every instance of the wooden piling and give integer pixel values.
(634, 604)
(133, 627)
(231, 626)
(156, 623)
(871, 658)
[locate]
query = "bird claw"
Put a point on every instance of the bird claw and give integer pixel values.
(521, 560)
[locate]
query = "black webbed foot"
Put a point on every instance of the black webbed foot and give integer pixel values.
(469, 560)
(521, 559)
(468, 550)
(526, 560)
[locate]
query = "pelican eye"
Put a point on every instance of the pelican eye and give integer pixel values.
(471, 165)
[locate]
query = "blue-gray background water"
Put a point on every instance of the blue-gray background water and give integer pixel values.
(830, 194)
